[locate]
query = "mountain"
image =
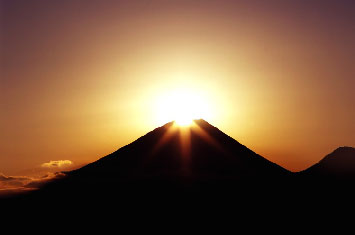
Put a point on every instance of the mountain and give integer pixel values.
(338, 165)
(197, 168)
(198, 152)
(173, 160)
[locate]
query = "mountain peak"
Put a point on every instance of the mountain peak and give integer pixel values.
(197, 152)
(342, 155)
(339, 164)
(344, 149)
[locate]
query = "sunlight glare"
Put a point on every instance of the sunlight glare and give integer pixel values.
(182, 106)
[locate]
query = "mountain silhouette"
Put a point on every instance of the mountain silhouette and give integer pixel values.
(198, 166)
(200, 152)
(172, 160)
(338, 165)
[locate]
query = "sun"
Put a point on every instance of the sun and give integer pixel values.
(182, 106)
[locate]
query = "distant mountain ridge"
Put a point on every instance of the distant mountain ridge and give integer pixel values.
(340, 164)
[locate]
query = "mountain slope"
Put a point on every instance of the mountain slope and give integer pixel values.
(199, 152)
(172, 160)
(173, 167)
(340, 164)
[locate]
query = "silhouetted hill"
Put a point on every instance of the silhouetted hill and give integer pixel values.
(338, 165)
(177, 169)
(201, 152)
(172, 160)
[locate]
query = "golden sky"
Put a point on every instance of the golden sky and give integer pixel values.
(80, 79)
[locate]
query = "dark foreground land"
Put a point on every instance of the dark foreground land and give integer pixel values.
(196, 169)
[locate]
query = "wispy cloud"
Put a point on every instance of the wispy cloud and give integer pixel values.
(57, 163)
(17, 184)
(13, 181)
(38, 182)
(36, 177)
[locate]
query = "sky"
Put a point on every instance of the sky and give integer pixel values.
(80, 79)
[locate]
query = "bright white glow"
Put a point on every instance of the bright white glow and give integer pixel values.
(183, 106)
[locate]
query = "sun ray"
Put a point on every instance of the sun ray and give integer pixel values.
(168, 134)
(185, 144)
(207, 137)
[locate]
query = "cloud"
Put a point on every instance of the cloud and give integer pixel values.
(38, 182)
(13, 181)
(15, 184)
(58, 163)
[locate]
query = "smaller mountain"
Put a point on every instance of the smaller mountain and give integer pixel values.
(338, 165)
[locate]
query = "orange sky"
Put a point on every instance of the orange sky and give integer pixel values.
(81, 79)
